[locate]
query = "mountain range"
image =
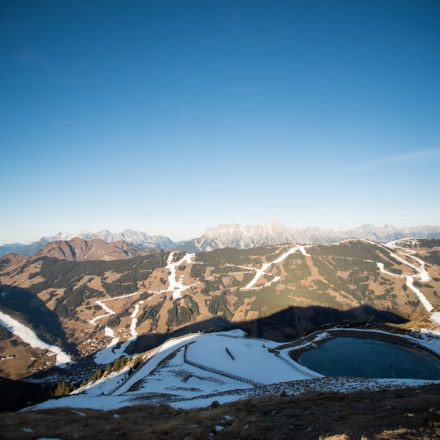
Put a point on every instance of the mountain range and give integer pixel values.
(78, 249)
(88, 299)
(234, 235)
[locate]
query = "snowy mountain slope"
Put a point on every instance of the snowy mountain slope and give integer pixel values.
(197, 369)
(196, 365)
(28, 336)
(248, 236)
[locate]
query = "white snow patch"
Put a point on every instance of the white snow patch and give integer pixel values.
(262, 270)
(275, 280)
(27, 335)
(170, 377)
(105, 308)
(422, 274)
(108, 309)
(435, 316)
(248, 354)
(159, 354)
(111, 353)
(176, 285)
(422, 298)
(330, 384)
(321, 336)
(48, 438)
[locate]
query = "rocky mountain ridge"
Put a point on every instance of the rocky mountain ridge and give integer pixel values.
(236, 236)
(78, 249)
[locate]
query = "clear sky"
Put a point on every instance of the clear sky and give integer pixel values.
(172, 116)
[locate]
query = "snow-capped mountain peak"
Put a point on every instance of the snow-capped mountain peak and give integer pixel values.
(247, 236)
(238, 236)
(136, 238)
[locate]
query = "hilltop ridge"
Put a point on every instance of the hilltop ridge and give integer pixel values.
(236, 236)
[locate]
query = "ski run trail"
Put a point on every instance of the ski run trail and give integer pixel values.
(262, 271)
(194, 370)
(111, 352)
(422, 275)
(176, 286)
(28, 336)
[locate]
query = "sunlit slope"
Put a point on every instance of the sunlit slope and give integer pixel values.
(279, 292)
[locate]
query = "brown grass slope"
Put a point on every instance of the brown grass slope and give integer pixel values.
(78, 249)
(291, 298)
(400, 414)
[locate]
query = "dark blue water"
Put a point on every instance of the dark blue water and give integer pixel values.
(362, 357)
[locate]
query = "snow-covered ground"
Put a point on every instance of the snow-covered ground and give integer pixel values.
(251, 358)
(28, 336)
(193, 370)
(159, 355)
(193, 365)
(209, 350)
(325, 384)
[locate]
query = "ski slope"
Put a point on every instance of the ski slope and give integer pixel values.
(265, 267)
(167, 377)
(176, 286)
(29, 337)
(194, 365)
(421, 275)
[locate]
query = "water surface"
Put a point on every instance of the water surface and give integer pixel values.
(368, 357)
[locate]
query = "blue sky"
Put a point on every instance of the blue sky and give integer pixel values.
(172, 116)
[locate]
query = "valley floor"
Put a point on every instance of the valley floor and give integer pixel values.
(387, 414)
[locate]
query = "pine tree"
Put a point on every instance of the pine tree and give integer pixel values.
(62, 389)
(117, 365)
(137, 361)
(97, 375)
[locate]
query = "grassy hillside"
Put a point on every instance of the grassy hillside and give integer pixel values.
(279, 291)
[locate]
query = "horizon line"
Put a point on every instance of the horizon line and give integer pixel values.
(338, 229)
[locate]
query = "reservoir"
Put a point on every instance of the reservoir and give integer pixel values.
(372, 358)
